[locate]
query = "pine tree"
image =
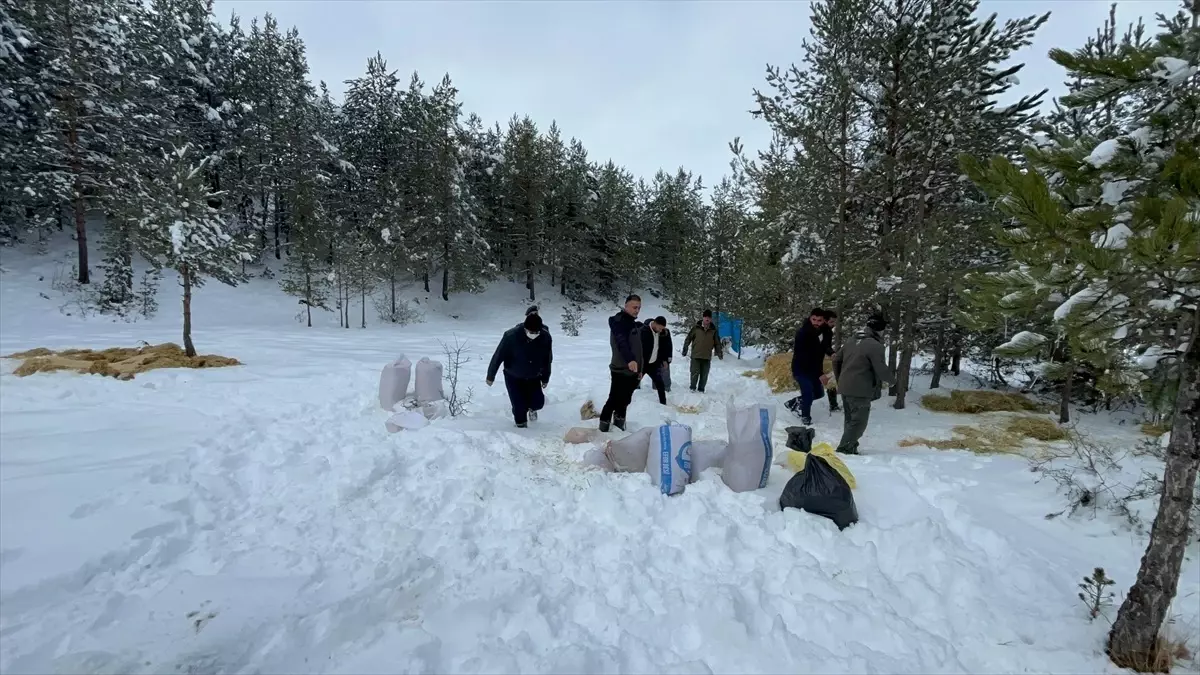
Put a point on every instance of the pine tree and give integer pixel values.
(183, 232)
(1115, 219)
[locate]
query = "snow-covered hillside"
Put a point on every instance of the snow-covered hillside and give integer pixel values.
(260, 519)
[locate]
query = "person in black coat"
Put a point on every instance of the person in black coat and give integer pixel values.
(808, 362)
(526, 353)
(627, 365)
(656, 345)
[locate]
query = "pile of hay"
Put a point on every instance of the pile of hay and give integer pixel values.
(1154, 430)
(1008, 437)
(778, 373)
(973, 402)
(688, 409)
(119, 362)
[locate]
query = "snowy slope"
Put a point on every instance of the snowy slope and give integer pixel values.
(260, 519)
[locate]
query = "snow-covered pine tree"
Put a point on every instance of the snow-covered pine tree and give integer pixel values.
(23, 103)
(620, 252)
(578, 197)
(1118, 217)
(84, 50)
(183, 232)
(522, 217)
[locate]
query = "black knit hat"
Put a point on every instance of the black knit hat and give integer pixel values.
(532, 310)
(877, 322)
(533, 323)
(707, 314)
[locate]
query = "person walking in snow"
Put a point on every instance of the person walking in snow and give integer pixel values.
(827, 379)
(526, 353)
(704, 341)
(861, 369)
(656, 345)
(808, 357)
(627, 365)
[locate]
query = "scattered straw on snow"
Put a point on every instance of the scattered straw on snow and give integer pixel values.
(1008, 437)
(119, 362)
(973, 402)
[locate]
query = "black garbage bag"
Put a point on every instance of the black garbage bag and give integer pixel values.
(821, 490)
(800, 438)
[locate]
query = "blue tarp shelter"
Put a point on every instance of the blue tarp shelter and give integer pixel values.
(730, 328)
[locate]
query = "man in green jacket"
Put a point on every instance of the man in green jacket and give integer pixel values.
(861, 370)
(704, 341)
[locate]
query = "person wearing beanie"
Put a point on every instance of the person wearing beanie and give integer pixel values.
(526, 353)
(533, 309)
(827, 378)
(704, 341)
(861, 369)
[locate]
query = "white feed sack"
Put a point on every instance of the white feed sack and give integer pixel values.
(628, 454)
(706, 455)
(393, 382)
(428, 386)
(747, 463)
(670, 461)
(596, 457)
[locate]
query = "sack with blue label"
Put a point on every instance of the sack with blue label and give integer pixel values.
(747, 462)
(670, 460)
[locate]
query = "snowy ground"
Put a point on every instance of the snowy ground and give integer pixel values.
(260, 519)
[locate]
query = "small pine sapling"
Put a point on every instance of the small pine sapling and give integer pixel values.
(147, 293)
(456, 356)
(572, 319)
(1095, 594)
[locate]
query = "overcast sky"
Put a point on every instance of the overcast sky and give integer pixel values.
(648, 84)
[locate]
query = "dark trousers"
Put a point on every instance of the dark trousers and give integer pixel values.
(700, 368)
(810, 390)
(854, 422)
(620, 393)
(525, 395)
(656, 374)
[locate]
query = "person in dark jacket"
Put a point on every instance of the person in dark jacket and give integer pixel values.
(627, 365)
(704, 341)
(831, 319)
(861, 369)
(526, 353)
(808, 361)
(656, 345)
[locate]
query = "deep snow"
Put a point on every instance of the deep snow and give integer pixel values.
(260, 519)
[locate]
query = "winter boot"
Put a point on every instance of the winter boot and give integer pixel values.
(806, 420)
(522, 425)
(532, 415)
(605, 427)
(619, 422)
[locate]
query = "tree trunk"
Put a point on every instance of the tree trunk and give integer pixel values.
(529, 283)
(1133, 641)
(893, 363)
(446, 283)
(956, 361)
(393, 281)
(308, 296)
(904, 368)
(1064, 402)
(363, 304)
(185, 275)
(72, 103)
(939, 361)
(425, 278)
(276, 216)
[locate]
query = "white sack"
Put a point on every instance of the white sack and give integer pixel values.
(628, 454)
(747, 464)
(596, 457)
(393, 382)
(405, 420)
(706, 455)
(428, 385)
(670, 461)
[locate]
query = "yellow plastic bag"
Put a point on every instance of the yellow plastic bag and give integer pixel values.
(796, 461)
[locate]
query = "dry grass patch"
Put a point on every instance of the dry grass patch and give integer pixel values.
(688, 409)
(754, 374)
(119, 362)
(1008, 437)
(1167, 653)
(778, 373)
(973, 402)
(1154, 430)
